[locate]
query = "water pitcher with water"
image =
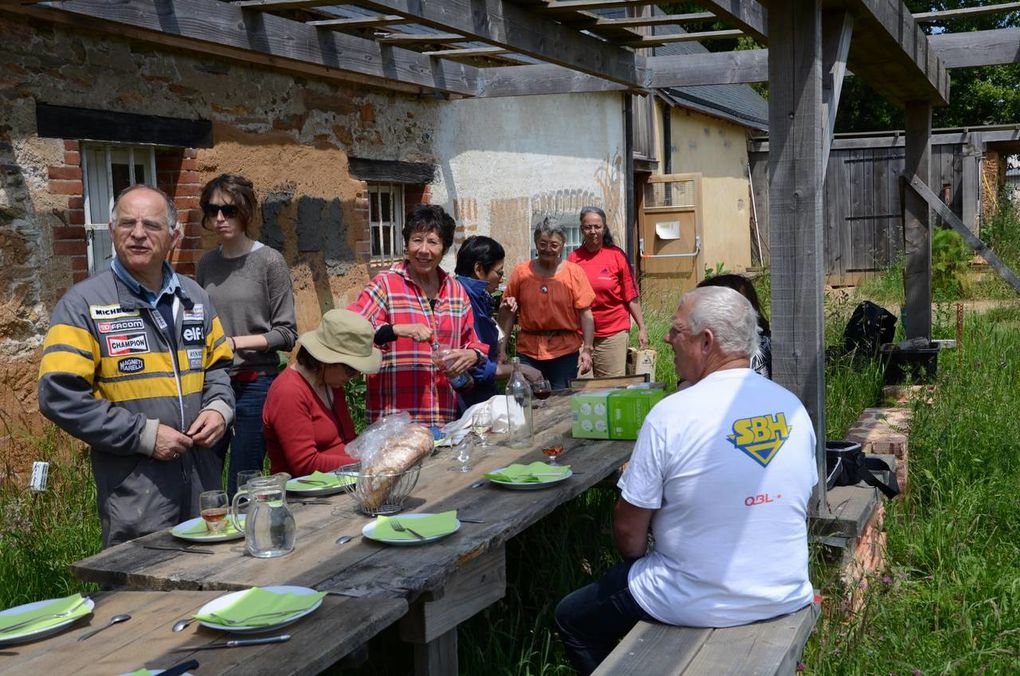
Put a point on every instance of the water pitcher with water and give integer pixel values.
(268, 526)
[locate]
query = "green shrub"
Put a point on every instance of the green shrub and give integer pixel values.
(949, 258)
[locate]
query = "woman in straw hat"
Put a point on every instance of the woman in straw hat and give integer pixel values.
(307, 424)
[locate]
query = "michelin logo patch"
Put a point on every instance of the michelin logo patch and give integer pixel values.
(130, 365)
(760, 436)
(127, 344)
(110, 312)
(120, 326)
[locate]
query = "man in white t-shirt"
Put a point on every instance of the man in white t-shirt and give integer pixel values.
(720, 478)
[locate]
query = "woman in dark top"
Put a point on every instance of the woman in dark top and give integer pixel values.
(480, 270)
(761, 360)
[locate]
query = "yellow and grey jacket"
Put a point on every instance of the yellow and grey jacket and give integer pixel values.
(112, 370)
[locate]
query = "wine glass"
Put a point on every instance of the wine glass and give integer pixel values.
(463, 456)
(481, 421)
(553, 451)
(541, 389)
(213, 507)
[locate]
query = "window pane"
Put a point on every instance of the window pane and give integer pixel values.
(376, 242)
(373, 207)
(385, 207)
(121, 178)
(102, 250)
(139, 173)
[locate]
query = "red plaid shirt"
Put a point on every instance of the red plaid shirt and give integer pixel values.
(408, 380)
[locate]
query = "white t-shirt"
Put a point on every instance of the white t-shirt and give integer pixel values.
(728, 465)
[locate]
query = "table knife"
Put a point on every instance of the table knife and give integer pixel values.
(236, 643)
(181, 668)
(186, 550)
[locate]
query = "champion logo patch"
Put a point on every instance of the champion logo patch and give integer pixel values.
(135, 343)
(110, 312)
(130, 365)
(760, 436)
(120, 326)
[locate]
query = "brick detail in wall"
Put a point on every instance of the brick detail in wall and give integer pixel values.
(885, 430)
(867, 561)
(177, 175)
(69, 246)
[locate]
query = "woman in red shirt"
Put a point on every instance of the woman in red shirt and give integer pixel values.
(616, 294)
(306, 421)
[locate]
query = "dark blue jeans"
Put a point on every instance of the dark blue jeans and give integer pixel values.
(593, 619)
(248, 445)
(559, 371)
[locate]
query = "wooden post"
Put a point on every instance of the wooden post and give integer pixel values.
(917, 224)
(795, 211)
(971, 157)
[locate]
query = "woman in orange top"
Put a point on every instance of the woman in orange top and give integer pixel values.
(551, 300)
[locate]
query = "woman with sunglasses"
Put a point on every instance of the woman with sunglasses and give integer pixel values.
(250, 286)
(307, 423)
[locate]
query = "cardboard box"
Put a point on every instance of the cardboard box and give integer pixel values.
(641, 361)
(589, 412)
(627, 410)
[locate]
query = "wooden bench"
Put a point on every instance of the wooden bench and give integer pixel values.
(762, 648)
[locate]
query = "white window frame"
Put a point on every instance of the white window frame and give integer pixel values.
(395, 225)
(97, 160)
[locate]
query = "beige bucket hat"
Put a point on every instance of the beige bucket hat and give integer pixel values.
(344, 337)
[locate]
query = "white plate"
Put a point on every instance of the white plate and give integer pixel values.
(531, 485)
(369, 530)
(313, 490)
(177, 532)
(29, 634)
(227, 599)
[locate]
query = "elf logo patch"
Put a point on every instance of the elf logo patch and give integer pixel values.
(193, 334)
(127, 344)
(120, 326)
(130, 365)
(760, 436)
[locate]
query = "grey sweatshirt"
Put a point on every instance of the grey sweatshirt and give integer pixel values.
(257, 298)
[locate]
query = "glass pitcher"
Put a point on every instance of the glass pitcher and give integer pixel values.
(268, 526)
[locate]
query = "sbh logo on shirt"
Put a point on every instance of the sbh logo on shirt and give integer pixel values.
(760, 436)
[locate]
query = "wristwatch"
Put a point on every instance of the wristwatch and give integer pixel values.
(481, 357)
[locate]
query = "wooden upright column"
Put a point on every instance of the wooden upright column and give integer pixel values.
(796, 238)
(916, 315)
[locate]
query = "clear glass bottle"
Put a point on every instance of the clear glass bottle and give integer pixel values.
(520, 432)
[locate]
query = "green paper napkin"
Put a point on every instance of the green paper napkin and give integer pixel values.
(535, 473)
(45, 611)
(319, 480)
(259, 607)
(429, 526)
(201, 529)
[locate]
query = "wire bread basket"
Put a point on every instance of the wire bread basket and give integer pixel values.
(384, 492)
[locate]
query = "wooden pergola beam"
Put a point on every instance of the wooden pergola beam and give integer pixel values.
(359, 22)
(639, 21)
(747, 15)
(583, 5)
(966, 12)
(663, 71)
(421, 38)
(670, 38)
(978, 48)
(502, 24)
(217, 28)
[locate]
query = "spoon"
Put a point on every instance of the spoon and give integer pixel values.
(179, 625)
(113, 620)
(344, 539)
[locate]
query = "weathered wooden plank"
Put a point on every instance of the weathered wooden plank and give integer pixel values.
(896, 139)
(952, 220)
(438, 657)
(317, 642)
(668, 19)
(224, 30)
(662, 71)
(747, 15)
(971, 197)
(421, 39)
(978, 48)
(671, 38)
(502, 24)
(917, 225)
(764, 648)
(837, 28)
(359, 22)
(965, 12)
(653, 649)
(105, 125)
(795, 210)
(391, 171)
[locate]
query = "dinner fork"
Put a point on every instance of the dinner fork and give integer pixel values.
(400, 528)
(245, 620)
(18, 625)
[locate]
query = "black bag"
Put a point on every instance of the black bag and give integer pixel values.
(869, 327)
(847, 465)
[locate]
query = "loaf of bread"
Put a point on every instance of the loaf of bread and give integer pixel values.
(378, 476)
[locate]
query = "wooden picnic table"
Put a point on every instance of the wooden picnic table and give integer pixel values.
(444, 582)
(317, 641)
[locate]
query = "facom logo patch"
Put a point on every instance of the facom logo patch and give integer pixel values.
(760, 436)
(130, 365)
(127, 344)
(119, 326)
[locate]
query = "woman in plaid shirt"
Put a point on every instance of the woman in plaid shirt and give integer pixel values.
(412, 306)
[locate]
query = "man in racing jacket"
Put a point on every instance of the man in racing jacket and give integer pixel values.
(134, 364)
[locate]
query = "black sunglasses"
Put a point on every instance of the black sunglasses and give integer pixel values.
(229, 210)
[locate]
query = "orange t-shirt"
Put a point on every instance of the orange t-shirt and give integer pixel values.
(549, 304)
